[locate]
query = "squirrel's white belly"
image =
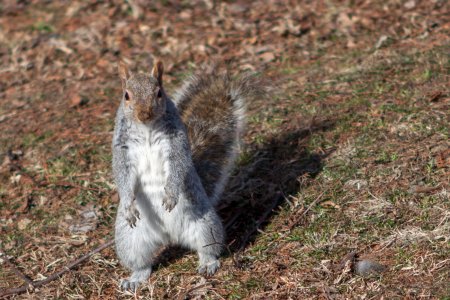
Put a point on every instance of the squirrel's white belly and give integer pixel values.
(150, 165)
(152, 168)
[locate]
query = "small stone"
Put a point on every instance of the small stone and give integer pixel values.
(42, 200)
(382, 41)
(367, 267)
(410, 4)
(81, 228)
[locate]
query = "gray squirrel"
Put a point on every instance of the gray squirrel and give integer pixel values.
(171, 161)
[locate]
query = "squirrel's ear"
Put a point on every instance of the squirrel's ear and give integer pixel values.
(157, 71)
(124, 73)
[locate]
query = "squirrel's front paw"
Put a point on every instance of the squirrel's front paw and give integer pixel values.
(132, 214)
(169, 201)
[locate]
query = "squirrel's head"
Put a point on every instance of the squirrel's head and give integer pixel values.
(143, 94)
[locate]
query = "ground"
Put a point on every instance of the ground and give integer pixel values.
(348, 157)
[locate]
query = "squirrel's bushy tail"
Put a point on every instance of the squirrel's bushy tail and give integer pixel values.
(212, 106)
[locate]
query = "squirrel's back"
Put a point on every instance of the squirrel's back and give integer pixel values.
(212, 106)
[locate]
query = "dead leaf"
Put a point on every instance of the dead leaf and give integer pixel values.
(330, 204)
(350, 257)
(22, 224)
(434, 97)
(60, 45)
(115, 198)
(185, 14)
(18, 103)
(103, 63)
(443, 159)
(77, 100)
(424, 189)
(267, 57)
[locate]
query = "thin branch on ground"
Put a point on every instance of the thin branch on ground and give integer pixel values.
(236, 264)
(295, 223)
(17, 271)
(34, 284)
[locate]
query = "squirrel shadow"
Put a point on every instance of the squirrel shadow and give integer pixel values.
(278, 169)
(265, 177)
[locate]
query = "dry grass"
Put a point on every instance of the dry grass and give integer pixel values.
(352, 150)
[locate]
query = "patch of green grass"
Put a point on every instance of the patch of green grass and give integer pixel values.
(86, 196)
(403, 256)
(43, 27)
(397, 195)
(244, 158)
(62, 166)
(380, 88)
(254, 119)
(254, 283)
(384, 157)
(41, 214)
(341, 171)
(259, 139)
(31, 139)
(317, 141)
(14, 236)
(386, 107)
(273, 121)
(426, 75)
(358, 102)
(236, 291)
(380, 222)
(295, 236)
(259, 248)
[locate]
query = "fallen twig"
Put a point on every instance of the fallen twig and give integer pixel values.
(236, 264)
(425, 189)
(17, 271)
(34, 284)
(295, 223)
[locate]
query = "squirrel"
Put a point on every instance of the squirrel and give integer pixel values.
(171, 161)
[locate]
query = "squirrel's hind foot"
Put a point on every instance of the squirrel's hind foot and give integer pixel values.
(132, 283)
(209, 268)
(132, 214)
(127, 285)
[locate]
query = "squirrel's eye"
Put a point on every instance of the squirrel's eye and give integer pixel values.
(127, 96)
(159, 93)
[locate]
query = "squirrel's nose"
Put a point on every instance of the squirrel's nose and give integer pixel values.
(144, 115)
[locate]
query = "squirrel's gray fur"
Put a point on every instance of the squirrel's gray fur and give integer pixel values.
(170, 162)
